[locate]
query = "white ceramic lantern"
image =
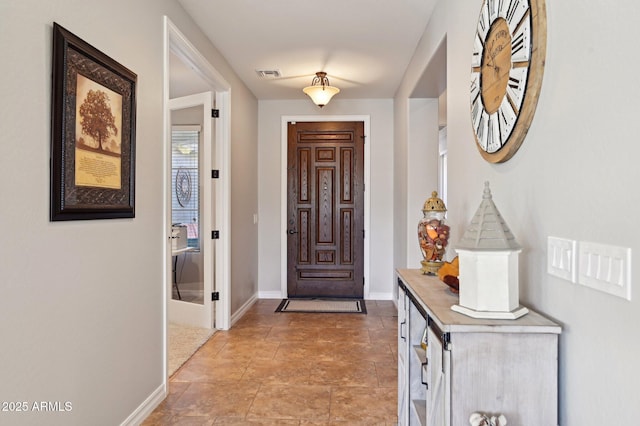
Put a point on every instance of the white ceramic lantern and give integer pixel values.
(488, 258)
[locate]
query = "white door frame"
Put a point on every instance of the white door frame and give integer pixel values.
(283, 190)
(175, 42)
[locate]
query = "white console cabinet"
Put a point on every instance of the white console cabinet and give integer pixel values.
(507, 367)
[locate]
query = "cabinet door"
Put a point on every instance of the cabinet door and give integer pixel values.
(403, 347)
(437, 381)
(416, 360)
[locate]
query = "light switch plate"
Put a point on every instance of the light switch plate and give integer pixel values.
(606, 268)
(561, 258)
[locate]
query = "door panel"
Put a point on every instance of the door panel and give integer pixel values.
(195, 268)
(325, 209)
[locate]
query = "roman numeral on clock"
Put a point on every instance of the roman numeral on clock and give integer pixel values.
(514, 83)
(511, 11)
(517, 43)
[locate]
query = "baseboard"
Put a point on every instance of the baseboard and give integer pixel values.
(270, 295)
(380, 296)
(278, 295)
(147, 407)
(243, 309)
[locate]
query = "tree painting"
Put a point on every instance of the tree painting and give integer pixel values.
(96, 117)
(99, 117)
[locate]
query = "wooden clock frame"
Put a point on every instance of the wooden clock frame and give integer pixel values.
(524, 116)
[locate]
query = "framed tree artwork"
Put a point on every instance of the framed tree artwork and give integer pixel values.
(92, 133)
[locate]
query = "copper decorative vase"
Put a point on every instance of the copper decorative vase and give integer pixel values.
(433, 234)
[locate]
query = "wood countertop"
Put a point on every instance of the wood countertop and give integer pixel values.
(436, 299)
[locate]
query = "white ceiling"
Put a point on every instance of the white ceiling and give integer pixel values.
(363, 45)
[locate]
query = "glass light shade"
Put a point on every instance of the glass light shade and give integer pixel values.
(321, 95)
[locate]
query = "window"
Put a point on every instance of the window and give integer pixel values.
(185, 178)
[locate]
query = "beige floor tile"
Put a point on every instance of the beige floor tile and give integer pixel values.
(369, 405)
(291, 402)
(293, 334)
(234, 421)
(199, 370)
(341, 335)
(162, 415)
(252, 332)
(262, 320)
(383, 335)
(213, 345)
(277, 372)
(248, 349)
(383, 308)
(216, 399)
(306, 351)
(192, 421)
(312, 320)
(338, 373)
(390, 322)
(357, 351)
(175, 389)
(357, 320)
(290, 369)
(387, 373)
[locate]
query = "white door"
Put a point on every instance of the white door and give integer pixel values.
(191, 282)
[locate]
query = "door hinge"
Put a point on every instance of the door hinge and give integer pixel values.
(215, 113)
(215, 296)
(215, 235)
(363, 281)
(363, 234)
(215, 174)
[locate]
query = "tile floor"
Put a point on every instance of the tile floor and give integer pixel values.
(290, 369)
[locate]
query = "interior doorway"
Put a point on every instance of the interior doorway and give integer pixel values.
(187, 72)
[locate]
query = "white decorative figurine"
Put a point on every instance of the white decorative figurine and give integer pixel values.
(488, 257)
(478, 419)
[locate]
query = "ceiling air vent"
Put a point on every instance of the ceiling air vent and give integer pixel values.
(268, 74)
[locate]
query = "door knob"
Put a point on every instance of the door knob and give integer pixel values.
(292, 231)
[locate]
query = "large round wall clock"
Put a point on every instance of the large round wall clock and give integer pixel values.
(506, 74)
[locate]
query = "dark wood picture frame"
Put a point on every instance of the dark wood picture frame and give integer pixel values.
(93, 123)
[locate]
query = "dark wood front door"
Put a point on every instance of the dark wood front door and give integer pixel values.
(325, 243)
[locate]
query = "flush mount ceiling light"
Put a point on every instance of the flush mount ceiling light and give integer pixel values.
(320, 91)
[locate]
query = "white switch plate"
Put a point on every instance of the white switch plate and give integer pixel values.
(561, 258)
(606, 268)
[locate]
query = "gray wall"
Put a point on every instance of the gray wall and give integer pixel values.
(81, 311)
(573, 177)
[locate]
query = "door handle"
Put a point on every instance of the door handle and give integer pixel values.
(422, 366)
(292, 231)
